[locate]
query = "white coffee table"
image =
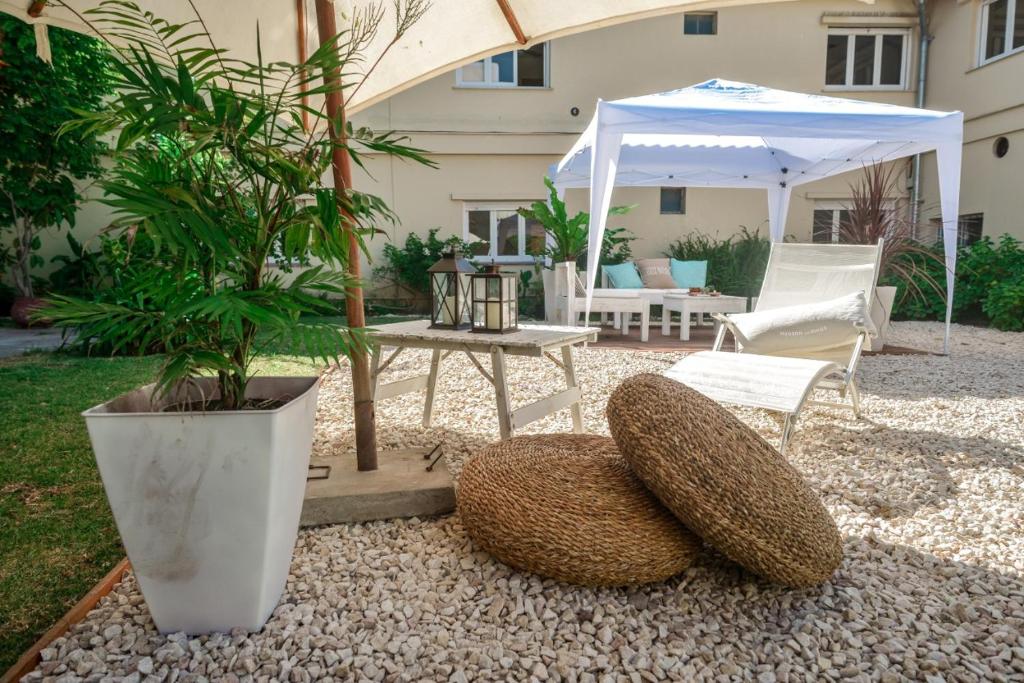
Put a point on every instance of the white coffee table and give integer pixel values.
(687, 304)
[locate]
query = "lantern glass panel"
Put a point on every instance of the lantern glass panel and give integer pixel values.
(449, 290)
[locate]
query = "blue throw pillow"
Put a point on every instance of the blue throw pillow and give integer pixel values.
(624, 276)
(690, 273)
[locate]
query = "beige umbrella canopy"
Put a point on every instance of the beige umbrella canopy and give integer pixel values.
(450, 33)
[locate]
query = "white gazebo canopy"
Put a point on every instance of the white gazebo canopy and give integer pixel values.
(726, 134)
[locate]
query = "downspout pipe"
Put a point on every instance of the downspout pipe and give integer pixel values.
(923, 40)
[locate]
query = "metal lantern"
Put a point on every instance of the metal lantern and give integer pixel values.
(449, 291)
(495, 301)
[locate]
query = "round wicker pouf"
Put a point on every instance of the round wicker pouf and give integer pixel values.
(724, 481)
(568, 507)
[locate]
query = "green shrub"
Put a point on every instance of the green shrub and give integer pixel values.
(989, 286)
(736, 264)
(407, 265)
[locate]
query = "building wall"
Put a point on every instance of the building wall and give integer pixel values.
(992, 99)
(494, 144)
(497, 144)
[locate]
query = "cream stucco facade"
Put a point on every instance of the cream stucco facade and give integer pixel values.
(494, 145)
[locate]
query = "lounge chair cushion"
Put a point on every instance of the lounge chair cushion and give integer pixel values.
(656, 273)
(624, 276)
(724, 481)
(792, 330)
(688, 274)
(567, 506)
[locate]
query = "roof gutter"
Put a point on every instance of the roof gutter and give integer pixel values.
(923, 40)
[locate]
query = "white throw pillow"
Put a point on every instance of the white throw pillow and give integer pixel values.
(791, 330)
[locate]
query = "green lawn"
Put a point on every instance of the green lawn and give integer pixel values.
(57, 537)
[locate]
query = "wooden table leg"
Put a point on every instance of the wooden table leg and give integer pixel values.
(374, 369)
(501, 392)
(570, 382)
(428, 406)
(684, 324)
(666, 320)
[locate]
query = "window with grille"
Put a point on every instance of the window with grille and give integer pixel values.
(867, 58)
(700, 23)
(673, 200)
(499, 233)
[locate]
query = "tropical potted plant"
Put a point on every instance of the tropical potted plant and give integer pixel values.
(205, 469)
(568, 236)
(41, 172)
(872, 217)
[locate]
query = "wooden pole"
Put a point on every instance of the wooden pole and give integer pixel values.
(300, 16)
(341, 166)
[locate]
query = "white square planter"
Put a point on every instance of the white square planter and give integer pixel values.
(881, 310)
(208, 504)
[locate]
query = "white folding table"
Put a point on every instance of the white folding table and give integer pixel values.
(534, 341)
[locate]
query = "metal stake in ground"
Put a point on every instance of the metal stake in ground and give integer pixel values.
(341, 167)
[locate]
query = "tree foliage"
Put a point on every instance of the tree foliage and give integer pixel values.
(408, 264)
(39, 169)
(214, 166)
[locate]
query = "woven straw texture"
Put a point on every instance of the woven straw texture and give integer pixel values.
(724, 481)
(568, 507)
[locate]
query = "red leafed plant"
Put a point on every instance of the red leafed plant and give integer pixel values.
(872, 216)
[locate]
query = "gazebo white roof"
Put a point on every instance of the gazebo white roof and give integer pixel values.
(727, 134)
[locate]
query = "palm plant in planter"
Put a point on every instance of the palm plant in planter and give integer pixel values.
(205, 469)
(567, 237)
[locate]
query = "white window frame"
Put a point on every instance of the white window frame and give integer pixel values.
(890, 205)
(493, 207)
(1011, 15)
(714, 18)
(835, 208)
(877, 75)
(487, 84)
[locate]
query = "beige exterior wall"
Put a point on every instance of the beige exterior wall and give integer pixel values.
(498, 144)
(495, 144)
(992, 99)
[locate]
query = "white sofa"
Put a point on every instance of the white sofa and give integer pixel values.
(569, 302)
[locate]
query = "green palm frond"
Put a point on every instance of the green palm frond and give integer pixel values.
(212, 164)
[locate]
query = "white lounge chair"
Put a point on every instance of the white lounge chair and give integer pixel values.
(784, 378)
(570, 294)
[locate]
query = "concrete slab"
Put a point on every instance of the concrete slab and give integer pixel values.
(400, 487)
(15, 341)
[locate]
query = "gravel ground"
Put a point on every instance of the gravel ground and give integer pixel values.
(926, 489)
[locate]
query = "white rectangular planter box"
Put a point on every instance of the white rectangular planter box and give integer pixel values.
(208, 503)
(881, 310)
